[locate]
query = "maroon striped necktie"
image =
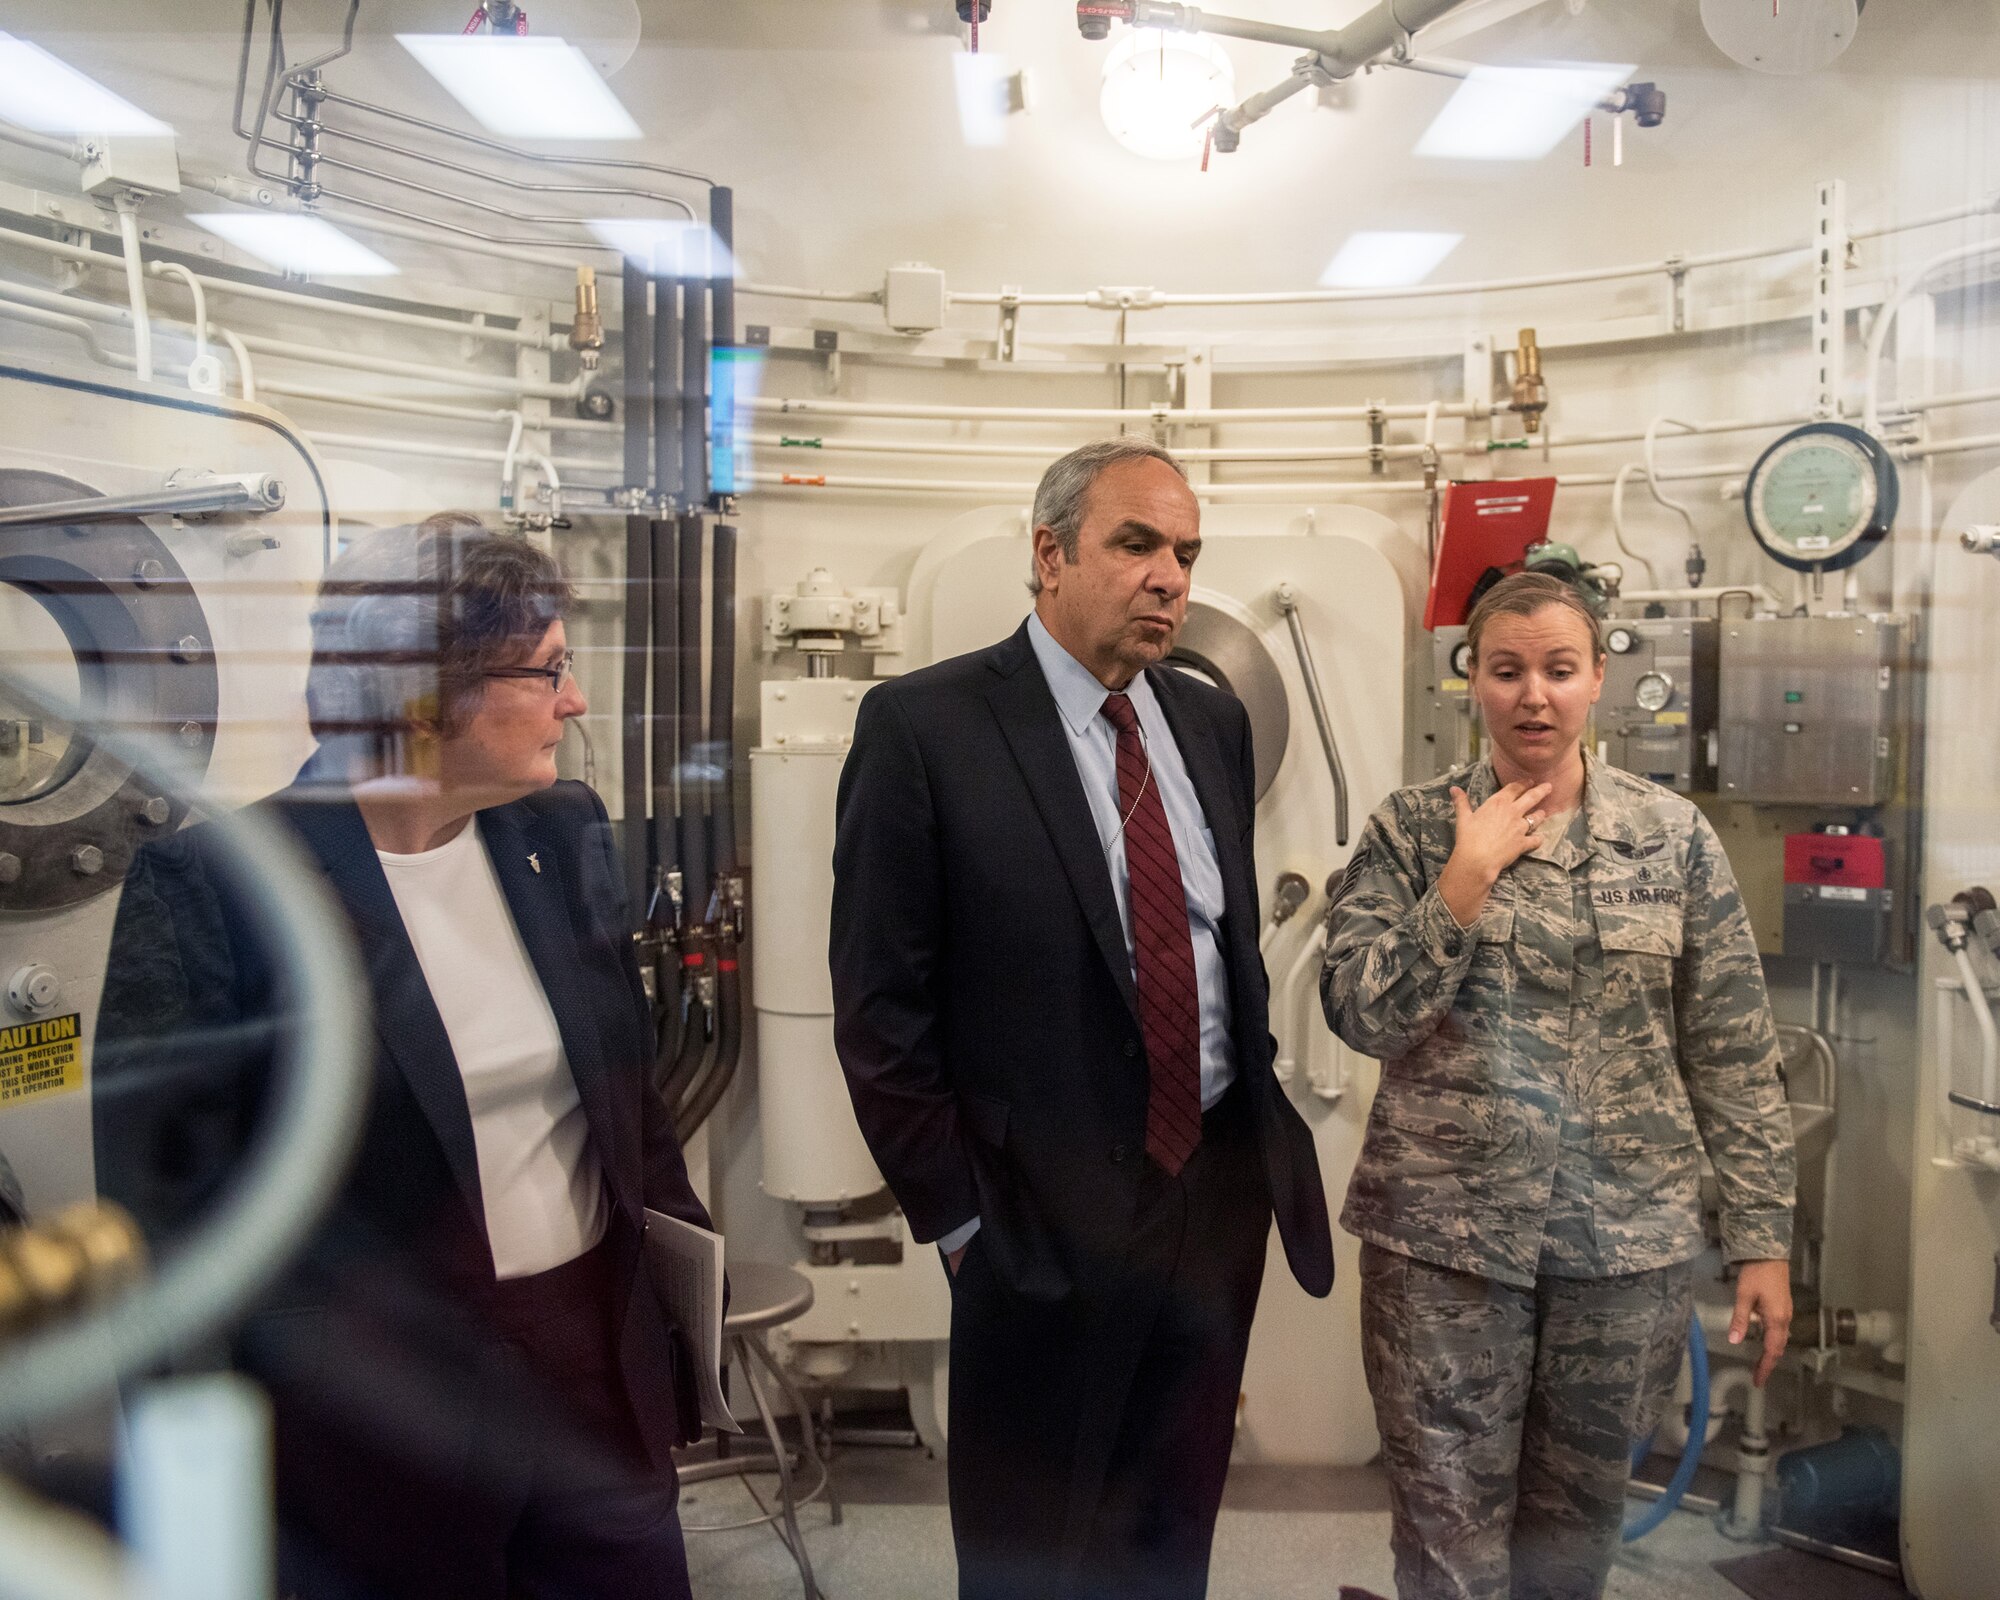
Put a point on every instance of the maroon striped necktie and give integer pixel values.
(1169, 1003)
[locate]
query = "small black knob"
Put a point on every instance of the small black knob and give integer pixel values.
(1119, 1152)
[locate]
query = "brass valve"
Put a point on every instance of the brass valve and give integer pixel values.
(82, 1254)
(1531, 389)
(586, 327)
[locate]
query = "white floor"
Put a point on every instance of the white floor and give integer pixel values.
(903, 1552)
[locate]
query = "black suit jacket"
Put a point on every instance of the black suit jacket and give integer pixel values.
(984, 1007)
(382, 1322)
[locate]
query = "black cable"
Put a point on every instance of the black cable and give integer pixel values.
(634, 341)
(699, 1103)
(694, 390)
(722, 282)
(668, 385)
(696, 756)
(722, 699)
(696, 1028)
(632, 715)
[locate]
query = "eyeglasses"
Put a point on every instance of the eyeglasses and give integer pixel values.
(558, 676)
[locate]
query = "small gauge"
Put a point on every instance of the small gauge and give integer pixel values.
(1461, 659)
(1822, 496)
(1619, 641)
(1653, 691)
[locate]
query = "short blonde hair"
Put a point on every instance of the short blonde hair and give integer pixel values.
(1522, 595)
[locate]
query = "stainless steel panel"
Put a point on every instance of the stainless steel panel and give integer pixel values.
(1808, 709)
(1668, 744)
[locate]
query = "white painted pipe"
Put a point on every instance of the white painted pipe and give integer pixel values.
(442, 452)
(1653, 471)
(1618, 521)
(1753, 1464)
(65, 251)
(1285, 1005)
(1989, 1037)
(1885, 319)
(62, 322)
(135, 287)
(770, 405)
(1755, 591)
(245, 377)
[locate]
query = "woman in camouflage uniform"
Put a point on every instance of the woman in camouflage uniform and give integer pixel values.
(1552, 963)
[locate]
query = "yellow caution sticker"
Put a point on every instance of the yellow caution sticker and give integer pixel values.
(41, 1058)
(1453, 686)
(1671, 719)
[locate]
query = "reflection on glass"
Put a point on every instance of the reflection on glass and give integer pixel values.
(36, 754)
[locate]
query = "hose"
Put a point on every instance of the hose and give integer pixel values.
(300, 1156)
(662, 919)
(696, 1027)
(667, 381)
(1677, 1485)
(694, 784)
(721, 749)
(728, 1040)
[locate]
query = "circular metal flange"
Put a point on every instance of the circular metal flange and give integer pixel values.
(1227, 652)
(145, 662)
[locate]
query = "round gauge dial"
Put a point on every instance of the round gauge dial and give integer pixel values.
(1821, 496)
(1461, 660)
(1619, 641)
(1653, 691)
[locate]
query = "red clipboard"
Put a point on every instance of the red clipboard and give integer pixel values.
(1481, 525)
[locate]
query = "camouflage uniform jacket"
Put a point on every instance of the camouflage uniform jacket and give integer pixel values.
(1546, 1073)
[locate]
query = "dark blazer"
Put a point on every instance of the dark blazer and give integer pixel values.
(385, 1310)
(985, 1011)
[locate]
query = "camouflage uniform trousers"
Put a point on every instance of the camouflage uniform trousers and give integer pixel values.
(1508, 1416)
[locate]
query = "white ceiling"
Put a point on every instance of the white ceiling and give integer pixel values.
(835, 123)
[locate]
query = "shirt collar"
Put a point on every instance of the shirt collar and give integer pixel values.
(1078, 694)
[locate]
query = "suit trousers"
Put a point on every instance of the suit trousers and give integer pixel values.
(1090, 1436)
(1508, 1418)
(553, 1498)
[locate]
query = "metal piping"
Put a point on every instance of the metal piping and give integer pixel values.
(722, 698)
(252, 492)
(1288, 602)
(722, 223)
(515, 153)
(135, 286)
(663, 649)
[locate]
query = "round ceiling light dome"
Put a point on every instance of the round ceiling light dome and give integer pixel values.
(1158, 86)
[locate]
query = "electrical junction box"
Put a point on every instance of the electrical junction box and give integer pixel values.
(913, 298)
(1657, 713)
(1837, 903)
(131, 161)
(1809, 709)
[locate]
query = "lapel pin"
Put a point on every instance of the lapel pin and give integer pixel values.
(535, 860)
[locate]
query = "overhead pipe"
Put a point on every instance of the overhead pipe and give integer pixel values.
(135, 286)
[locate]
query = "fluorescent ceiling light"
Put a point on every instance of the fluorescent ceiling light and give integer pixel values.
(666, 245)
(39, 91)
(1387, 260)
(1158, 87)
(309, 245)
(1518, 113)
(533, 87)
(984, 97)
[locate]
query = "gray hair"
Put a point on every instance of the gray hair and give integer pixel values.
(407, 623)
(1064, 491)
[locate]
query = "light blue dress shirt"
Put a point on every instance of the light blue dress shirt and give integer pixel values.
(1093, 743)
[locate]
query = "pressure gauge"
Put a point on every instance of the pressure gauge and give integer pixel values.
(1821, 497)
(1461, 659)
(1619, 641)
(1653, 691)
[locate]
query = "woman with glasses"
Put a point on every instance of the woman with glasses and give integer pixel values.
(476, 1387)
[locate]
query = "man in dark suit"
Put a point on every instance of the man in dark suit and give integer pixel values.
(1052, 1016)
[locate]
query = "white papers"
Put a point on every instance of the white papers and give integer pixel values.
(687, 1270)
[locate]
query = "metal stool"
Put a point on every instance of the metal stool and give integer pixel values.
(763, 1296)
